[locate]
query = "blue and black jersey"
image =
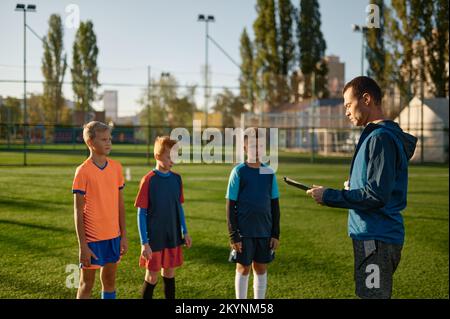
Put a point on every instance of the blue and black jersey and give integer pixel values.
(253, 203)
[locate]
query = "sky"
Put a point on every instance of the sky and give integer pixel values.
(165, 35)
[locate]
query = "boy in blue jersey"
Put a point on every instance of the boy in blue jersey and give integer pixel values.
(253, 218)
(161, 222)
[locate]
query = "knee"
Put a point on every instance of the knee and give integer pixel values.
(108, 281)
(168, 272)
(86, 285)
(243, 270)
(259, 269)
(151, 277)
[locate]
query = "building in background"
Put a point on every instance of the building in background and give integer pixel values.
(336, 76)
(435, 128)
(335, 82)
(318, 124)
(111, 105)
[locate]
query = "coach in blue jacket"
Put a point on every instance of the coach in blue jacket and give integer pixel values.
(376, 192)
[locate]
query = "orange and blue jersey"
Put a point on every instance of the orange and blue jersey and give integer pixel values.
(100, 187)
(160, 212)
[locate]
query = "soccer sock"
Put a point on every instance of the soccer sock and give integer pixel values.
(259, 285)
(108, 295)
(147, 290)
(241, 285)
(169, 287)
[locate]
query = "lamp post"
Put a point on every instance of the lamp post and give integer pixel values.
(206, 19)
(363, 30)
(149, 86)
(25, 9)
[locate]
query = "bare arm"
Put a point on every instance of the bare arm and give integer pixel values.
(122, 225)
(123, 231)
(85, 253)
(78, 206)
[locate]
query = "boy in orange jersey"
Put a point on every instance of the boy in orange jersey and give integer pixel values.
(99, 213)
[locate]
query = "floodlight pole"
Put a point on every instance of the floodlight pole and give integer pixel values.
(363, 30)
(30, 8)
(149, 79)
(206, 19)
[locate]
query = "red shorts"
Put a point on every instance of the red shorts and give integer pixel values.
(166, 258)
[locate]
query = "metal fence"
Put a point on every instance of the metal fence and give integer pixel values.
(64, 145)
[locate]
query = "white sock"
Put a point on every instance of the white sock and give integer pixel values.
(241, 285)
(259, 285)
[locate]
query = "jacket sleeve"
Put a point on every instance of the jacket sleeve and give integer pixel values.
(381, 156)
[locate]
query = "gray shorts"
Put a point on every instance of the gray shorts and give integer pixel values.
(375, 264)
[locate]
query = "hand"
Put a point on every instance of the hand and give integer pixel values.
(188, 240)
(123, 246)
(274, 243)
(85, 256)
(316, 192)
(237, 246)
(347, 185)
(146, 251)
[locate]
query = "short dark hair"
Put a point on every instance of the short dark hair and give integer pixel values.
(251, 131)
(364, 84)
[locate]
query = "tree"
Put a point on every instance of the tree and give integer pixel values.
(286, 14)
(35, 111)
(246, 79)
(434, 30)
(54, 64)
(312, 47)
(403, 30)
(11, 111)
(85, 70)
(165, 104)
(376, 51)
(230, 106)
(267, 61)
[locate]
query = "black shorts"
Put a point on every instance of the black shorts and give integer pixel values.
(375, 264)
(255, 249)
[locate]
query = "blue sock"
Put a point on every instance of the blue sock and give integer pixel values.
(108, 295)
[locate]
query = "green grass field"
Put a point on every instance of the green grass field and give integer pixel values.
(38, 241)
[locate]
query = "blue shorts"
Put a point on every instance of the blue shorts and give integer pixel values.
(107, 251)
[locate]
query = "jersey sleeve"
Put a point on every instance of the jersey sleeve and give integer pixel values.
(233, 185)
(142, 196)
(79, 184)
(121, 179)
(275, 192)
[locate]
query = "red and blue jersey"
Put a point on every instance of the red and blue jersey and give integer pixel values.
(162, 196)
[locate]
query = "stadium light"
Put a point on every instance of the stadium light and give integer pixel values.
(363, 29)
(206, 19)
(28, 8)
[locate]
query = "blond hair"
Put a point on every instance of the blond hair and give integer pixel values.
(162, 143)
(92, 127)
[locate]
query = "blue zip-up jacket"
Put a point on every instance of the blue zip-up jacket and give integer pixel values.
(378, 184)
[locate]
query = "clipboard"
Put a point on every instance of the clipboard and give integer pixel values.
(296, 184)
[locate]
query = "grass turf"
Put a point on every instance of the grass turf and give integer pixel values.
(38, 241)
